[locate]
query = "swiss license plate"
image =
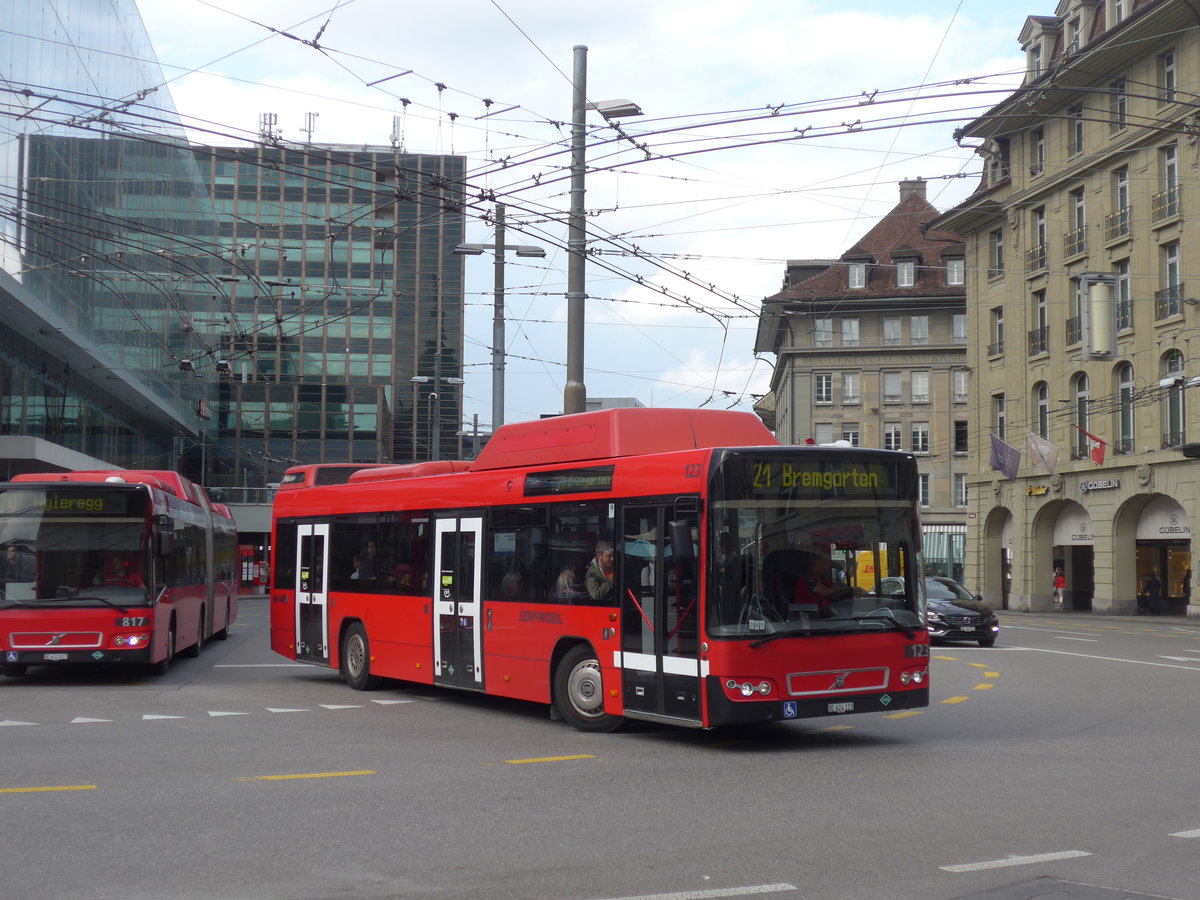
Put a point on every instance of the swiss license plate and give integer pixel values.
(967, 628)
(843, 707)
(54, 657)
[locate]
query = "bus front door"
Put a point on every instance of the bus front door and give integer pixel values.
(660, 664)
(458, 585)
(312, 594)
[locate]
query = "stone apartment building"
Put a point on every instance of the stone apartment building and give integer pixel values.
(1084, 306)
(872, 348)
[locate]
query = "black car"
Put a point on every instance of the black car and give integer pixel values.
(952, 612)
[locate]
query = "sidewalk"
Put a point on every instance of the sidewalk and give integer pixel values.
(1080, 616)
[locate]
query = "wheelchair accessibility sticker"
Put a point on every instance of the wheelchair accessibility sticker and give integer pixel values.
(789, 709)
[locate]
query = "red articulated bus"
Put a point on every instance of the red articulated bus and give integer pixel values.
(677, 566)
(116, 566)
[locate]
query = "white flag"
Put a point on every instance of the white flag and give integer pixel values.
(1042, 453)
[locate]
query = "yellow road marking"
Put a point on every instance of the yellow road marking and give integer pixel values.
(978, 665)
(829, 728)
(986, 686)
(307, 775)
(955, 699)
(947, 658)
(42, 790)
(991, 674)
(542, 759)
(904, 714)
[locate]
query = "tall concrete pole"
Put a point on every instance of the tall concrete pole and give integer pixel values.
(498, 326)
(575, 392)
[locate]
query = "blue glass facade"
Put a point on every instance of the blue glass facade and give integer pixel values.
(112, 303)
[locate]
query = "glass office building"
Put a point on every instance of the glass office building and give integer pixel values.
(344, 286)
(111, 298)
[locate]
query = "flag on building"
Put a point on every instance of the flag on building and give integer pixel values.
(1095, 446)
(1005, 458)
(1042, 453)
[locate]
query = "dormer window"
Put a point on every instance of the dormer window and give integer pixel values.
(956, 270)
(906, 273)
(1074, 35)
(1035, 62)
(1117, 11)
(856, 275)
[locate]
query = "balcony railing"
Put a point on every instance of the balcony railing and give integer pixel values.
(1124, 314)
(996, 348)
(1035, 257)
(1074, 330)
(1075, 242)
(1039, 340)
(996, 271)
(1165, 204)
(1117, 224)
(1173, 439)
(1168, 302)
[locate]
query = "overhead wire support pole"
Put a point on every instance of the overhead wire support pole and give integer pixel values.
(575, 392)
(498, 325)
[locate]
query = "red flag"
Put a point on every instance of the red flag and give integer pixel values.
(1095, 446)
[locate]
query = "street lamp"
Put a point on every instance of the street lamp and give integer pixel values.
(435, 419)
(575, 392)
(499, 249)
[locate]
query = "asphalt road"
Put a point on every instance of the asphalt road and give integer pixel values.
(1060, 763)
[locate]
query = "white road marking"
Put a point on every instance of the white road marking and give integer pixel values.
(148, 717)
(1015, 861)
(14, 722)
(340, 706)
(261, 666)
(214, 713)
(1194, 833)
(1181, 658)
(1136, 662)
(1066, 637)
(284, 709)
(82, 721)
(393, 702)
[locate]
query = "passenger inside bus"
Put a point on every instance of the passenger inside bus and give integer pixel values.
(118, 570)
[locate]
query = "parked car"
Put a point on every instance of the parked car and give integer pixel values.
(952, 612)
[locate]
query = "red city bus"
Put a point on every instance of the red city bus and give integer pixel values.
(114, 566)
(729, 595)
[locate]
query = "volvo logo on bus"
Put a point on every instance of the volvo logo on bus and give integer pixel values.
(57, 639)
(839, 682)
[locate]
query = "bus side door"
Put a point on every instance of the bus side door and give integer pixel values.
(458, 587)
(660, 665)
(312, 593)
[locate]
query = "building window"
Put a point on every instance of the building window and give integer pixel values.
(1118, 223)
(961, 385)
(1118, 105)
(823, 333)
(1169, 301)
(1035, 256)
(849, 332)
(1076, 130)
(892, 439)
(1075, 318)
(1039, 335)
(1035, 61)
(823, 432)
(1074, 35)
(1075, 240)
(1165, 203)
(999, 416)
(1166, 77)
(856, 276)
(1117, 11)
(918, 327)
(891, 387)
(920, 437)
(956, 270)
(997, 345)
(1125, 398)
(850, 433)
(850, 387)
(961, 433)
(1037, 152)
(923, 487)
(891, 331)
(1041, 409)
(906, 273)
(960, 489)
(919, 382)
(1123, 296)
(996, 253)
(1082, 417)
(1171, 369)
(958, 328)
(823, 387)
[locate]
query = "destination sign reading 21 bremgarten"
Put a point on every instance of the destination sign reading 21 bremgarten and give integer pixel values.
(819, 478)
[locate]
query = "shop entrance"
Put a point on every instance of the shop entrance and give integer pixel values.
(1164, 558)
(1074, 543)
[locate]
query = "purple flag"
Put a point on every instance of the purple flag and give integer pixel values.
(1005, 458)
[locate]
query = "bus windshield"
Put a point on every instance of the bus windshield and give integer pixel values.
(67, 547)
(801, 538)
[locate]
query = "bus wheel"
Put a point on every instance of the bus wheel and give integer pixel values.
(14, 670)
(356, 660)
(224, 632)
(160, 667)
(194, 650)
(579, 691)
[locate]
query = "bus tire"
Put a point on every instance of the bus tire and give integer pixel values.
(159, 668)
(579, 691)
(356, 659)
(14, 670)
(193, 650)
(224, 632)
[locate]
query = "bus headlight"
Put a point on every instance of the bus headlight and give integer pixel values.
(917, 676)
(746, 689)
(131, 640)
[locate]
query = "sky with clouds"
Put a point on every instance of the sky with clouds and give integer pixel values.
(772, 130)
